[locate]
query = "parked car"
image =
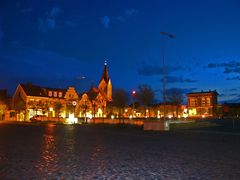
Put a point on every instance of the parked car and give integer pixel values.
(38, 118)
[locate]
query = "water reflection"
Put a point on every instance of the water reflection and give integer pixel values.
(69, 140)
(49, 157)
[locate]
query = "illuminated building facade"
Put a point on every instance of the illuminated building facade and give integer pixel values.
(202, 104)
(95, 102)
(5, 105)
(57, 104)
(172, 110)
(50, 103)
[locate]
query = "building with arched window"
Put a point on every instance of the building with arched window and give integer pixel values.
(30, 101)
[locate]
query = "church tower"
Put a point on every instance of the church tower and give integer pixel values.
(105, 85)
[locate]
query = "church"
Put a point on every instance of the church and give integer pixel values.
(95, 102)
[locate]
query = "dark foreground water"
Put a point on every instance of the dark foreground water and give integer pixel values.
(113, 152)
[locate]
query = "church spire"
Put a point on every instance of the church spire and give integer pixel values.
(105, 74)
(105, 85)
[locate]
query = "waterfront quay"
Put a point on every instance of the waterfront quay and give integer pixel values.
(50, 151)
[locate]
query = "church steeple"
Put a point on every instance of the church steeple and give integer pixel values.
(105, 75)
(105, 85)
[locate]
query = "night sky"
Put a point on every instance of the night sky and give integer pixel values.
(55, 43)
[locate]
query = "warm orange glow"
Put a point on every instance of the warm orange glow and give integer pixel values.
(49, 156)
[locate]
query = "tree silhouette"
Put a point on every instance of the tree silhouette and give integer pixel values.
(145, 95)
(175, 96)
(57, 107)
(20, 106)
(120, 99)
(92, 95)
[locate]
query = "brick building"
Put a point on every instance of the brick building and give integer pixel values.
(202, 104)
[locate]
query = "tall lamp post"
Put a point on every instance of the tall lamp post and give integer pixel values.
(133, 96)
(164, 34)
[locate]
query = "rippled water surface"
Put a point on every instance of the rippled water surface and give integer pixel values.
(50, 151)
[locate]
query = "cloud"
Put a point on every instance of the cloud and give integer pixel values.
(43, 67)
(233, 89)
(182, 90)
(230, 64)
(229, 67)
(105, 20)
(212, 65)
(120, 18)
(151, 69)
(222, 95)
(174, 79)
(189, 80)
(235, 98)
(233, 78)
(45, 25)
(70, 23)
(50, 21)
(232, 70)
(55, 12)
(131, 12)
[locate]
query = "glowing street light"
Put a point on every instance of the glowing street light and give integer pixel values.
(133, 93)
(133, 96)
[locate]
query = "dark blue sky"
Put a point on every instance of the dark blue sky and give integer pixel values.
(55, 42)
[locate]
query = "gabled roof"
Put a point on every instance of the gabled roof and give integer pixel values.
(33, 90)
(93, 93)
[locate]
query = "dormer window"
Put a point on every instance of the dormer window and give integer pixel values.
(55, 94)
(60, 94)
(50, 93)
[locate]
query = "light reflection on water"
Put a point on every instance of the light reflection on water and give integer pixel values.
(49, 157)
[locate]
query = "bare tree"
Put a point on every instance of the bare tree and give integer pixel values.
(145, 95)
(120, 99)
(175, 96)
(92, 95)
(57, 107)
(20, 106)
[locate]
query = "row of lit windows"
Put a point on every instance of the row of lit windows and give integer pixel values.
(54, 94)
(203, 101)
(205, 111)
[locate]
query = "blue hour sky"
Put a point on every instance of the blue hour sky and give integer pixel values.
(55, 43)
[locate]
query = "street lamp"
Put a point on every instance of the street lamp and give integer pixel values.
(133, 96)
(164, 34)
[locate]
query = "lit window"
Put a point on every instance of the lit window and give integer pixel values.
(193, 102)
(193, 112)
(208, 101)
(203, 101)
(49, 93)
(60, 94)
(55, 94)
